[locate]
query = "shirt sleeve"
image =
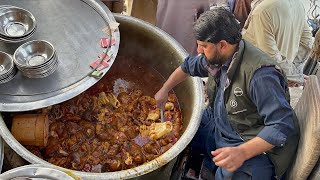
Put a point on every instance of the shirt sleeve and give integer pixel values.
(195, 66)
(306, 36)
(267, 91)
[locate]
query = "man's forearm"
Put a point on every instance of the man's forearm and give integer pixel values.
(255, 147)
(175, 78)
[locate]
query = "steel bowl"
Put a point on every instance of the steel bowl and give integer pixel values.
(16, 22)
(33, 53)
(6, 63)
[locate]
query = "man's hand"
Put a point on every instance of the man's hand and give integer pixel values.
(306, 78)
(294, 84)
(161, 97)
(229, 158)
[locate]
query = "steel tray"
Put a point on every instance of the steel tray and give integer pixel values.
(74, 28)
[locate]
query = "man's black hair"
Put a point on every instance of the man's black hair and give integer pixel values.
(216, 25)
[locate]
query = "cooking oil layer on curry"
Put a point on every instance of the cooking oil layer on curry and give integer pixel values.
(114, 125)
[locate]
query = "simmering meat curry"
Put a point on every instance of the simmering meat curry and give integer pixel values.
(103, 130)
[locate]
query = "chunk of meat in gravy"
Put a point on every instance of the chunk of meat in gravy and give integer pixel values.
(130, 131)
(88, 115)
(114, 150)
(165, 148)
(114, 164)
(135, 151)
(150, 157)
(60, 161)
(119, 137)
(152, 147)
(172, 98)
(52, 148)
(165, 140)
(124, 98)
(73, 127)
(136, 94)
(177, 127)
(113, 136)
(75, 157)
(59, 129)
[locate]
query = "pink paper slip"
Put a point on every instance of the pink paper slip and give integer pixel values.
(104, 42)
(101, 65)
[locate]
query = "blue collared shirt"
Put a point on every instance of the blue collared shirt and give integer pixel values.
(267, 92)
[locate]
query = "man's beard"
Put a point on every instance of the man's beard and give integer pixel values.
(218, 59)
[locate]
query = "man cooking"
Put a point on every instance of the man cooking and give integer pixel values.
(249, 130)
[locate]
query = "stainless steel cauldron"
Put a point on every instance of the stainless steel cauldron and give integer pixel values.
(158, 50)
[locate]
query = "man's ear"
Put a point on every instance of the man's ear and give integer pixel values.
(223, 45)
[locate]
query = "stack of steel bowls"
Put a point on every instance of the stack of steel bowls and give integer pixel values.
(7, 68)
(16, 24)
(36, 59)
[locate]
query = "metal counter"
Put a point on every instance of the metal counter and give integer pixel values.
(74, 27)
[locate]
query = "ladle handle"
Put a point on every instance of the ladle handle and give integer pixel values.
(161, 114)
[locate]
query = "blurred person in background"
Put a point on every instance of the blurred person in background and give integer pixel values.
(280, 29)
(116, 6)
(241, 10)
(176, 17)
(143, 9)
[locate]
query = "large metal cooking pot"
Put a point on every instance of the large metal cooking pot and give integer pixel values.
(161, 52)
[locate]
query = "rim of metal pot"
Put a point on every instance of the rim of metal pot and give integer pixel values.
(1, 153)
(35, 171)
(149, 166)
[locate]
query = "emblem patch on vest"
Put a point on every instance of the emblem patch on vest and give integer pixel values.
(238, 91)
(233, 103)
